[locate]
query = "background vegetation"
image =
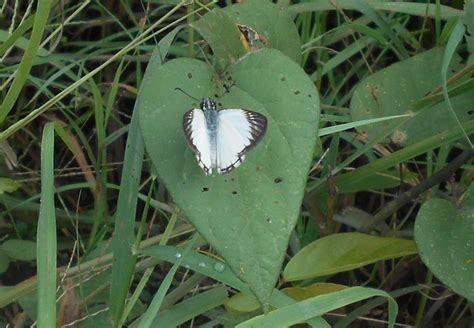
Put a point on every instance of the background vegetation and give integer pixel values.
(356, 209)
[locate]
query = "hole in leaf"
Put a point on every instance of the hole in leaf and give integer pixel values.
(309, 96)
(190, 76)
(234, 192)
(204, 189)
(220, 104)
(297, 92)
(269, 220)
(216, 96)
(278, 180)
(470, 112)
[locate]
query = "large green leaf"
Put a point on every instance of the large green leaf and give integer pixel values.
(18, 249)
(393, 90)
(444, 235)
(248, 214)
(271, 24)
(343, 252)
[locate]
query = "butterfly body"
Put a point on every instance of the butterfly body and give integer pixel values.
(221, 138)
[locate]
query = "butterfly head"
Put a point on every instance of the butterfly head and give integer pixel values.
(208, 104)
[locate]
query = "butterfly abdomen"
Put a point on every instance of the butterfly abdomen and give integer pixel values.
(211, 122)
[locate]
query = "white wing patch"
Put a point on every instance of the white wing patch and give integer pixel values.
(195, 130)
(238, 131)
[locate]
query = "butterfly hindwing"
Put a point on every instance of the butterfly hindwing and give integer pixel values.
(195, 130)
(238, 131)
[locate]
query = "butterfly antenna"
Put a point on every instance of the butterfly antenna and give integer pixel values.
(187, 94)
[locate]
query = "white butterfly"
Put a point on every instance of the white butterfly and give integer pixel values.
(220, 139)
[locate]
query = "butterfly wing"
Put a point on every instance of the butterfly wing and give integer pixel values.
(238, 131)
(197, 136)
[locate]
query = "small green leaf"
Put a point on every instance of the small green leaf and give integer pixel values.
(342, 252)
(272, 23)
(273, 26)
(8, 185)
(444, 235)
(248, 214)
(223, 36)
(393, 90)
(21, 250)
(242, 303)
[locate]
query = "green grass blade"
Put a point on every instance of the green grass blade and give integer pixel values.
(151, 312)
(46, 239)
(316, 306)
(190, 308)
(404, 154)
(124, 236)
(455, 38)
(347, 126)
(24, 69)
(365, 8)
(411, 8)
(124, 239)
(217, 270)
(10, 41)
(149, 33)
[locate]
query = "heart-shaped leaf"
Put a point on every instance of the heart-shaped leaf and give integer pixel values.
(444, 235)
(393, 90)
(263, 20)
(273, 24)
(248, 214)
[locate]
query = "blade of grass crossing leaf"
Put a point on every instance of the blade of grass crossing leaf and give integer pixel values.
(150, 314)
(347, 126)
(358, 312)
(46, 238)
(219, 271)
(280, 299)
(454, 40)
(316, 306)
(199, 263)
(42, 14)
(411, 8)
(124, 237)
(404, 154)
(190, 308)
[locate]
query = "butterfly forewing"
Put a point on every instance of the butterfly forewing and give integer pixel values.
(197, 136)
(238, 131)
(220, 139)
